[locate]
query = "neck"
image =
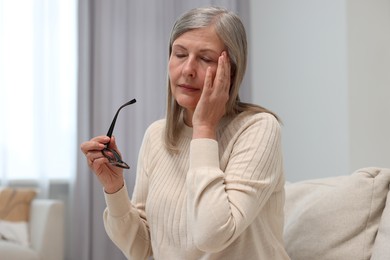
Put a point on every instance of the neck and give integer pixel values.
(187, 117)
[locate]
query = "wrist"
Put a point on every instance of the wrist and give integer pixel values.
(204, 132)
(113, 189)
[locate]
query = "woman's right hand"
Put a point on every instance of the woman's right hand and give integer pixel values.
(111, 177)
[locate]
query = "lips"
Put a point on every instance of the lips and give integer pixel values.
(186, 87)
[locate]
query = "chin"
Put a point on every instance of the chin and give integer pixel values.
(188, 104)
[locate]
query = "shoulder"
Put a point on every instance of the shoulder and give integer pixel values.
(247, 126)
(156, 126)
(261, 116)
(155, 130)
(250, 120)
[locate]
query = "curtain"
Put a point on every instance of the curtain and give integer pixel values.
(123, 54)
(38, 92)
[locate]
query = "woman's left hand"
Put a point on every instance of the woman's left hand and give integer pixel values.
(212, 103)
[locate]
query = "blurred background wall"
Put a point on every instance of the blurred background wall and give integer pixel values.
(324, 67)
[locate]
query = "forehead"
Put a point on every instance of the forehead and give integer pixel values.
(202, 37)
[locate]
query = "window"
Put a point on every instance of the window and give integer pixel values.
(38, 68)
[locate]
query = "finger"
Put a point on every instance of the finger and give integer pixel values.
(101, 139)
(226, 65)
(227, 69)
(98, 162)
(208, 81)
(91, 146)
(96, 159)
(221, 80)
(95, 145)
(93, 155)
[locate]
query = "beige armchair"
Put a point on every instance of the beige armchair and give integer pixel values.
(46, 234)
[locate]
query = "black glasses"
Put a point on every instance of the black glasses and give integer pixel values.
(113, 156)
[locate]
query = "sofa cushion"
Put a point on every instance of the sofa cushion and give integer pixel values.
(14, 214)
(335, 218)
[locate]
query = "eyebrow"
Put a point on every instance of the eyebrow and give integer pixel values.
(201, 50)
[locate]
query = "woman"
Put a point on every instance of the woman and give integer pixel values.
(210, 181)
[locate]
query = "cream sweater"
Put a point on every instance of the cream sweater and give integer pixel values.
(212, 200)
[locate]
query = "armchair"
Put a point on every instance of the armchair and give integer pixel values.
(46, 226)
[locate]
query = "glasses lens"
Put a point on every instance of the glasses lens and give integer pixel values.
(114, 158)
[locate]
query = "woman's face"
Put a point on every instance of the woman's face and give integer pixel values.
(192, 53)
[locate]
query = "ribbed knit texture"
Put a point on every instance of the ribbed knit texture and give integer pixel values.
(213, 200)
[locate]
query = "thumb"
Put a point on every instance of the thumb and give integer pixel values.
(112, 144)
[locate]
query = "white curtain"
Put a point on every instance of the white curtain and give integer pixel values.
(123, 54)
(38, 92)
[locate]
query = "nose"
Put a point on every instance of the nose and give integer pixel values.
(189, 67)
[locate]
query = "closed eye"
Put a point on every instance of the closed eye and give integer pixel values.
(180, 55)
(206, 59)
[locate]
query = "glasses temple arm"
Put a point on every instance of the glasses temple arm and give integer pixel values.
(111, 129)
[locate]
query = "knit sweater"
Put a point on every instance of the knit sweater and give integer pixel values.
(212, 200)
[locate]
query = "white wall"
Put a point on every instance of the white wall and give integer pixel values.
(369, 82)
(304, 67)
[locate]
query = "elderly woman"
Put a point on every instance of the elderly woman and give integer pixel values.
(210, 182)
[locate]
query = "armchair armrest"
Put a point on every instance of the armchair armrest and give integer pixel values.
(47, 228)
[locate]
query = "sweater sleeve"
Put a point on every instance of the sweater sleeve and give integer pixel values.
(125, 220)
(221, 204)
(125, 226)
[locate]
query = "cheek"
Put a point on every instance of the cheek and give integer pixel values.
(170, 68)
(173, 70)
(172, 77)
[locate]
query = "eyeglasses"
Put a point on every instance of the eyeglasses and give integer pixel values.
(113, 156)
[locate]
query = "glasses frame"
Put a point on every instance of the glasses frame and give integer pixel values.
(113, 156)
